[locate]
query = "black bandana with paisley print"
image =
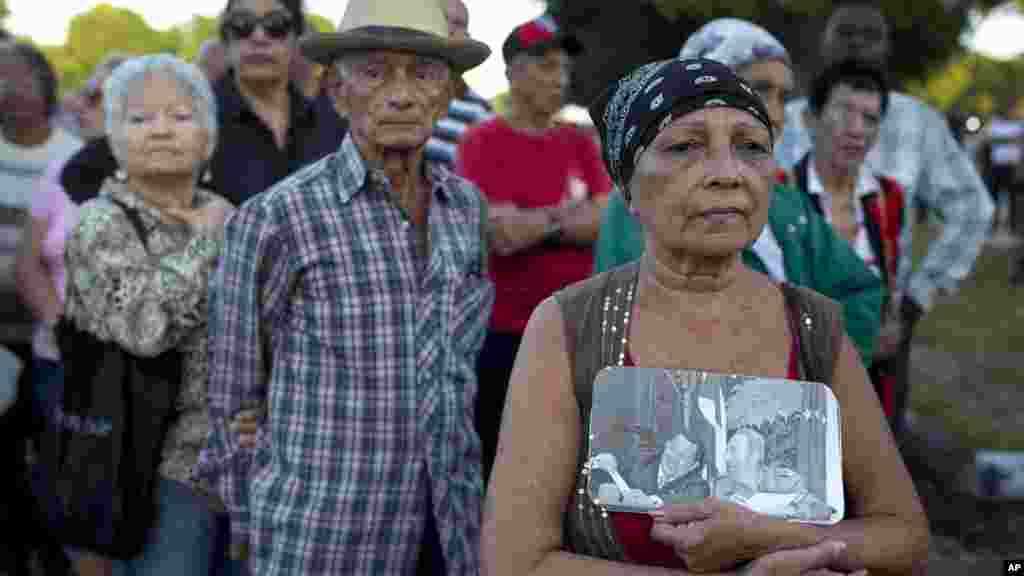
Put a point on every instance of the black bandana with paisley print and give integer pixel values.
(633, 110)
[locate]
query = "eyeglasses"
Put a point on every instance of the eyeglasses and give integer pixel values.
(276, 25)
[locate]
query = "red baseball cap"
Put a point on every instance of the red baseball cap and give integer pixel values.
(538, 36)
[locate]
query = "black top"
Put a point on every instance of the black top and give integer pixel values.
(85, 171)
(247, 160)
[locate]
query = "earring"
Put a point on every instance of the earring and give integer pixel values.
(120, 176)
(207, 177)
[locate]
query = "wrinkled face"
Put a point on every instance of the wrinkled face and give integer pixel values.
(702, 185)
(160, 132)
(260, 39)
(742, 462)
(393, 99)
(542, 80)
(458, 19)
(847, 127)
(773, 81)
(21, 90)
(856, 32)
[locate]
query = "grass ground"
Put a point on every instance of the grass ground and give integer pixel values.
(982, 329)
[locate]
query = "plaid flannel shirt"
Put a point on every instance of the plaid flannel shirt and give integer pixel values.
(917, 148)
(364, 362)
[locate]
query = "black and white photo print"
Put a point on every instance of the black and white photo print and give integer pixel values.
(672, 436)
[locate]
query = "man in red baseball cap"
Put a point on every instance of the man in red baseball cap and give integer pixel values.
(546, 187)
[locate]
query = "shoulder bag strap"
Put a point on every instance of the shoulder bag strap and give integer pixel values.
(136, 220)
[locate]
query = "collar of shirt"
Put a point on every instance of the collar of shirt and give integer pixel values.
(233, 106)
(867, 183)
(116, 190)
(356, 177)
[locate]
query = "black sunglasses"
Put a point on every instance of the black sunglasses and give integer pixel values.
(276, 25)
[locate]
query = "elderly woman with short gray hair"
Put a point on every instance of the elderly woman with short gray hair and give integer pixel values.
(138, 264)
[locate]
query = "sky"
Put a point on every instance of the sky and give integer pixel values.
(1001, 35)
(490, 21)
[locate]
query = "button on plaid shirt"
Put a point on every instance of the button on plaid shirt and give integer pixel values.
(364, 360)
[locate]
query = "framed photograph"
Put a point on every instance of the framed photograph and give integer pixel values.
(664, 436)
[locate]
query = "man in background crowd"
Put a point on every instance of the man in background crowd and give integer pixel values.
(466, 107)
(915, 147)
(1005, 152)
(546, 187)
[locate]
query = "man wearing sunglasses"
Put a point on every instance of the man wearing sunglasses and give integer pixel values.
(268, 128)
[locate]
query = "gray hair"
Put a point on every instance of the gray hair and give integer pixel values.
(735, 43)
(124, 78)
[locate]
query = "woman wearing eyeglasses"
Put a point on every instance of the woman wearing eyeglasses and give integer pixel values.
(268, 128)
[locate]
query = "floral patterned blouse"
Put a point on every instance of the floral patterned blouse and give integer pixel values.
(147, 302)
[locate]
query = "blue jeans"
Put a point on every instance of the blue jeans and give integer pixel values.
(186, 538)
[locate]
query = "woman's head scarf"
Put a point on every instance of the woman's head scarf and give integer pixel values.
(633, 110)
(735, 43)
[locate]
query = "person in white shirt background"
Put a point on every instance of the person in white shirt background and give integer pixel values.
(1004, 134)
(916, 147)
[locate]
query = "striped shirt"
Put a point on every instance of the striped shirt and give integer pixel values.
(364, 356)
(462, 114)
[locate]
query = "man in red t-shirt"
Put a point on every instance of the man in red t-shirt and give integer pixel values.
(546, 187)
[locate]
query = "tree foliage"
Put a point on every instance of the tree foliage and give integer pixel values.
(196, 31)
(500, 103)
(320, 23)
(622, 35)
(973, 84)
(106, 29)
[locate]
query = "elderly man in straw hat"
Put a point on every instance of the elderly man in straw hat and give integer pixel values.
(349, 306)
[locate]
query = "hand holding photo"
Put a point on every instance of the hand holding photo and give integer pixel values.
(678, 436)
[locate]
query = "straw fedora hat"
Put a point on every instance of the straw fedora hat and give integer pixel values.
(417, 26)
